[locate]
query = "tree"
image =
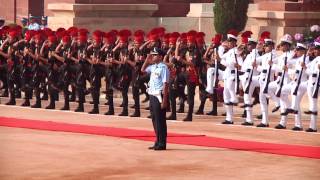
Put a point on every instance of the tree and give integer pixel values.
(230, 14)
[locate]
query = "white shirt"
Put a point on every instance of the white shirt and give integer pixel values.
(229, 60)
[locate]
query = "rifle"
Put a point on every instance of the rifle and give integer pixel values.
(237, 75)
(299, 78)
(278, 93)
(265, 90)
(216, 70)
(316, 89)
(246, 91)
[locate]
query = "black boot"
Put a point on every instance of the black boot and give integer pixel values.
(37, 104)
(80, 108)
(110, 112)
(124, 113)
(95, 109)
(188, 118)
(212, 113)
(66, 107)
(52, 105)
(26, 103)
(11, 102)
(135, 114)
(172, 117)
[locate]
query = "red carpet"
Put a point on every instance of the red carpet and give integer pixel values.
(196, 140)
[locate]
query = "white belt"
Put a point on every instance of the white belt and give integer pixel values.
(157, 94)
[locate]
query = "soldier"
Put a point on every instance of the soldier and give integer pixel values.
(202, 72)
(54, 68)
(232, 61)
(82, 68)
(249, 79)
(39, 69)
(10, 53)
(174, 67)
(214, 72)
(27, 72)
(281, 87)
(191, 59)
(122, 60)
(4, 45)
(109, 45)
(299, 86)
(136, 66)
(97, 69)
(267, 72)
(62, 54)
(313, 70)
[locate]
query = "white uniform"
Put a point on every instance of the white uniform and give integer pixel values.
(286, 87)
(229, 78)
(296, 99)
(246, 68)
(313, 72)
(211, 73)
(263, 68)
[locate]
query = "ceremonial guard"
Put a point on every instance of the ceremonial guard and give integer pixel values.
(313, 70)
(249, 79)
(232, 61)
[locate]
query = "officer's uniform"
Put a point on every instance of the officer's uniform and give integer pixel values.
(159, 75)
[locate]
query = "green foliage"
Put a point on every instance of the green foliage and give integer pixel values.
(230, 14)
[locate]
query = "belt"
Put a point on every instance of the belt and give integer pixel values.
(157, 94)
